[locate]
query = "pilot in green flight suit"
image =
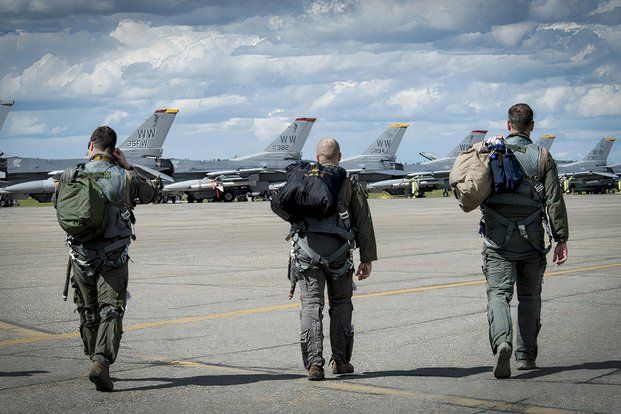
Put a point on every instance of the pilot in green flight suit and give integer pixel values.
(100, 272)
(514, 250)
(323, 256)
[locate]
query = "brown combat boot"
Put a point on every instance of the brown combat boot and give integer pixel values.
(315, 373)
(339, 367)
(100, 374)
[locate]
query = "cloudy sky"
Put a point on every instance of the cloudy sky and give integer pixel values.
(240, 71)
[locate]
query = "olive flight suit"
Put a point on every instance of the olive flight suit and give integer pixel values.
(338, 277)
(518, 256)
(100, 272)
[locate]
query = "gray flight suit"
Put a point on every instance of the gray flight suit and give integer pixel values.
(100, 271)
(339, 279)
(520, 259)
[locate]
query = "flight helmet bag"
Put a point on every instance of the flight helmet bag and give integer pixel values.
(81, 207)
(311, 190)
(470, 178)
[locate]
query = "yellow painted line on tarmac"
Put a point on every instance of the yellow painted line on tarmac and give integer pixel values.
(442, 399)
(242, 312)
(21, 331)
(581, 269)
(34, 336)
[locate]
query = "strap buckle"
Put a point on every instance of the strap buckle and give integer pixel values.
(125, 215)
(539, 187)
(344, 214)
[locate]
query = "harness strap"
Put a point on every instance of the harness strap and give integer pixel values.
(101, 253)
(315, 260)
(343, 229)
(510, 227)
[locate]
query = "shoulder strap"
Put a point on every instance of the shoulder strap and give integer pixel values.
(543, 160)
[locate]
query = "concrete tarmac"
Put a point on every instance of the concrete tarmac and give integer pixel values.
(209, 327)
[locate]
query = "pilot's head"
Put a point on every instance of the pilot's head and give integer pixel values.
(103, 139)
(328, 151)
(520, 119)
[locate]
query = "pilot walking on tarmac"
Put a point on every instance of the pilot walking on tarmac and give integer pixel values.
(100, 272)
(514, 253)
(322, 255)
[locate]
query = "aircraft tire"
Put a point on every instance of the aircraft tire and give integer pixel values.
(3, 203)
(445, 193)
(228, 197)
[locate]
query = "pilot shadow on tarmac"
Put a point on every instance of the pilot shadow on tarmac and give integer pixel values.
(460, 372)
(443, 372)
(206, 380)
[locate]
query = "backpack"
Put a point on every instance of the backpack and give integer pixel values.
(471, 178)
(311, 190)
(81, 205)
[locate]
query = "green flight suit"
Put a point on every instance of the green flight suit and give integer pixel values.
(313, 280)
(100, 271)
(521, 260)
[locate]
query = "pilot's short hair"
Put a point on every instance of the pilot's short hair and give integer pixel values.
(520, 117)
(103, 138)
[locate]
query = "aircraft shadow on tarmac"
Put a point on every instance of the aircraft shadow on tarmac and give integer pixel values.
(21, 373)
(206, 380)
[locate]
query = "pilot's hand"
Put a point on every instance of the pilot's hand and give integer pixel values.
(560, 253)
(364, 270)
(120, 159)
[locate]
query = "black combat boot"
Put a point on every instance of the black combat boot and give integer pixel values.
(100, 373)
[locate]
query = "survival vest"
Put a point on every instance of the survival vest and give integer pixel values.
(517, 172)
(91, 203)
(314, 200)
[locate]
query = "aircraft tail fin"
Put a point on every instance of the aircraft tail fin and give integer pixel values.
(472, 138)
(148, 139)
(291, 141)
(388, 143)
(5, 107)
(545, 141)
(600, 152)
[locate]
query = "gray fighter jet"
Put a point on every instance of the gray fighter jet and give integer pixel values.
(378, 161)
(428, 175)
(5, 108)
(226, 179)
(591, 174)
(35, 177)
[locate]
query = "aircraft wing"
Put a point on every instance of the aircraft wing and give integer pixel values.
(586, 174)
(153, 173)
(429, 155)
